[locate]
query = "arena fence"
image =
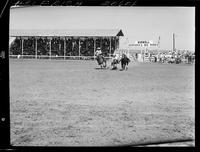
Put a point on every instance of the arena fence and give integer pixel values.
(54, 57)
(183, 60)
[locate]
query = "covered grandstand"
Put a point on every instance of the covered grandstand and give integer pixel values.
(63, 44)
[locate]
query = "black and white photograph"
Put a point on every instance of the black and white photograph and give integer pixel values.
(102, 76)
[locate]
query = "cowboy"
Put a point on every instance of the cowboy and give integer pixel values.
(98, 51)
(124, 61)
(100, 58)
(116, 56)
(115, 61)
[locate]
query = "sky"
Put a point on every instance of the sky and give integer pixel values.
(137, 23)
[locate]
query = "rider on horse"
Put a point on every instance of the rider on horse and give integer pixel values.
(98, 51)
(100, 58)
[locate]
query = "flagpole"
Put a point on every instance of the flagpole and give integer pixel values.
(159, 44)
(173, 42)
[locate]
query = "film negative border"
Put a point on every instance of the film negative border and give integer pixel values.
(17, 3)
(4, 22)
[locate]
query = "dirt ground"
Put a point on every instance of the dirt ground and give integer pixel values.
(74, 103)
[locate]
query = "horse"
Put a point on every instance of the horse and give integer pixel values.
(124, 62)
(101, 61)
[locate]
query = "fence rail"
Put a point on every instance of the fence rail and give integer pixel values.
(54, 57)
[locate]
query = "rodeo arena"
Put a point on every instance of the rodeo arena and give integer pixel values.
(80, 87)
(86, 45)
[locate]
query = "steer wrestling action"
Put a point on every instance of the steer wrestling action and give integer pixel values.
(101, 60)
(117, 59)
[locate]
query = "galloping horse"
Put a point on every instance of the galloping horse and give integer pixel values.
(124, 62)
(101, 61)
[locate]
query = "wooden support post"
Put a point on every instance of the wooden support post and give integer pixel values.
(86, 44)
(22, 43)
(59, 40)
(101, 44)
(50, 49)
(110, 48)
(72, 46)
(118, 42)
(115, 43)
(79, 53)
(94, 47)
(36, 47)
(64, 47)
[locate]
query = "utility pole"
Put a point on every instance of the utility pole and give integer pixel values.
(158, 45)
(173, 42)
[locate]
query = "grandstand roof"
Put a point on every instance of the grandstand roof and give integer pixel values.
(70, 32)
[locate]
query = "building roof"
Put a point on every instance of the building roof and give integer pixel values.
(74, 32)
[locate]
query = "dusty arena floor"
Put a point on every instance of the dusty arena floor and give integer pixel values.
(74, 103)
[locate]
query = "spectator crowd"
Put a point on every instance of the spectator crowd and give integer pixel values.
(166, 57)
